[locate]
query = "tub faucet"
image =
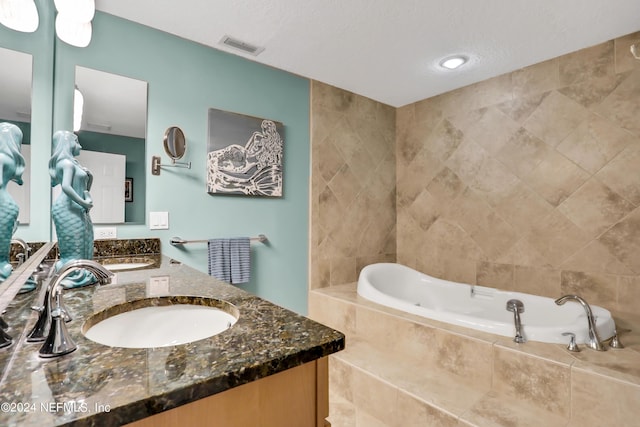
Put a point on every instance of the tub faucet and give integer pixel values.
(52, 315)
(517, 307)
(594, 339)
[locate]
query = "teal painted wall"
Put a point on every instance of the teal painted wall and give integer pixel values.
(40, 45)
(185, 79)
(134, 150)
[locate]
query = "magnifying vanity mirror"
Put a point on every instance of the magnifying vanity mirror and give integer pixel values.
(113, 138)
(15, 107)
(175, 145)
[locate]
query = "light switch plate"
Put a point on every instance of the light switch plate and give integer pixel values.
(158, 220)
(158, 285)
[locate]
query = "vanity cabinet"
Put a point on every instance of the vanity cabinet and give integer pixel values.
(297, 397)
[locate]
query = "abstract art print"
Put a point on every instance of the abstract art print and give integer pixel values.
(244, 155)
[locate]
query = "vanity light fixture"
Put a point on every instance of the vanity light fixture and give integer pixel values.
(19, 15)
(453, 62)
(73, 23)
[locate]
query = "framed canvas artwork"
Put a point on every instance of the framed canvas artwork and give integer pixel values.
(244, 155)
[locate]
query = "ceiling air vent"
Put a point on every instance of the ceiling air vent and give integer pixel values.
(240, 45)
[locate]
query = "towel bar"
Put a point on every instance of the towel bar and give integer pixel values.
(176, 241)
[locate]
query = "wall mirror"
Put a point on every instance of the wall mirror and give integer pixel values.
(113, 138)
(15, 107)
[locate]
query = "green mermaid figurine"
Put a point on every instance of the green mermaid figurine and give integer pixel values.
(70, 211)
(11, 169)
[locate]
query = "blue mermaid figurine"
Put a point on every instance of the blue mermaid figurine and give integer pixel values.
(11, 169)
(70, 211)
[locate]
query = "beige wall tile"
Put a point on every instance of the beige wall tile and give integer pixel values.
(539, 382)
(556, 238)
(594, 207)
(468, 360)
(521, 207)
(621, 174)
(589, 408)
(440, 258)
(353, 181)
(555, 118)
(628, 293)
(592, 92)
(537, 281)
(594, 143)
(343, 270)
(493, 275)
(445, 186)
(556, 178)
(523, 152)
(493, 130)
(586, 64)
(340, 380)
(332, 312)
(381, 330)
(499, 410)
(521, 107)
(414, 412)
(623, 104)
(536, 79)
(623, 241)
(597, 289)
(444, 140)
(595, 258)
(374, 397)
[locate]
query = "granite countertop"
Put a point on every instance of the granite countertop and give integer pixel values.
(97, 385)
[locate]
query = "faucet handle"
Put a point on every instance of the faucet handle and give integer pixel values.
(5, 339)
(573, 346)
(58, 342)
(615, 341)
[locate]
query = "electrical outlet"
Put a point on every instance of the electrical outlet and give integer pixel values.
(100, 233)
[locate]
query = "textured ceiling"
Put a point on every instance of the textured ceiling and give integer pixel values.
(389, 50)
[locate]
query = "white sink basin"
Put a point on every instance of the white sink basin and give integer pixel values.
(160, 322)
(114, 265)
(125, 266)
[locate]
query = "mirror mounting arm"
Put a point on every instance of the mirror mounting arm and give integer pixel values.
(156, 164)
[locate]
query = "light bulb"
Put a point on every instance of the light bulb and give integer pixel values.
(74, 33)
(453, 62)
(76, 10)
(19, 15)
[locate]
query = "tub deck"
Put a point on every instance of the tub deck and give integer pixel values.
(400, 369)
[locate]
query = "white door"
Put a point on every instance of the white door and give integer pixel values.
(22, 193)
(107, 190)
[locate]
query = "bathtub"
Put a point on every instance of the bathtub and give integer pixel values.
(478, 307)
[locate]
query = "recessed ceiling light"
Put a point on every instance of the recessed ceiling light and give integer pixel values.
(453, 62)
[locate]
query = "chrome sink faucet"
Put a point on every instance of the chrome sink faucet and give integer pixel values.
(25, 249)
(53, 314)
(594, 339)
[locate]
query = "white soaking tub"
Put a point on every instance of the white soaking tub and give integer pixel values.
(478, 307)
